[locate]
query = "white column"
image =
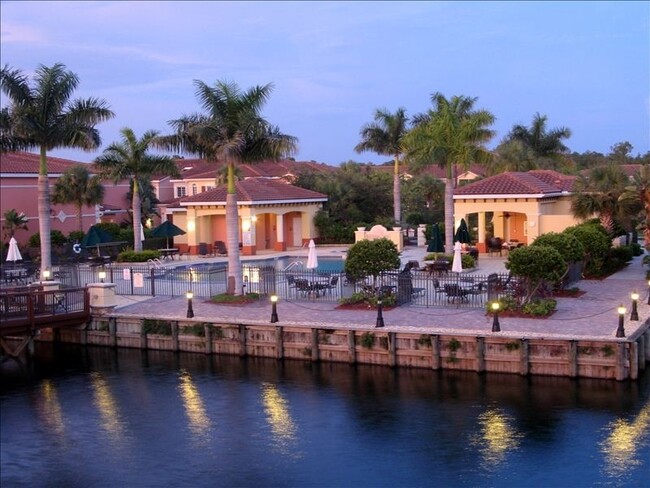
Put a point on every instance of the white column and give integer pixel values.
(481, 227)
(279, 223)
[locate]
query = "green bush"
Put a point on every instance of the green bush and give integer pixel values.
(76, 236)
(540, 308)
(160, 327)
(622, 253)
(468, 261)
(56, 237)
(566, 243)
(535, 266)
(370, 258)
(597, 244)
(111, 227)
(137, 257)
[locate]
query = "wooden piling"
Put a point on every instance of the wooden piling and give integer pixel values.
(352, 347)
(620, 361)
(207, 329)
(392, 350)
(573, 359)
(314, 345)
(174, 327)
(634, 360)
(242, 340)
(480, 354)
(435, 351)
(524, 354)
(279, 343)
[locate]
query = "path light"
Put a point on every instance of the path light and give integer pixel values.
(46, 274)
(635, 313)
(102, 276)
(274, 309)
(380, 315)
(190, 311)
(620, 332)
(496, 326)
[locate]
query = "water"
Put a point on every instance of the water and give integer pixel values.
(325, 264)
(96, 417)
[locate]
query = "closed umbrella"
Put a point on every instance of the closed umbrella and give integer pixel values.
(457, 264)
(312, 257)
(436, 244)
(167, 229)
(462, 233)
(14, 253)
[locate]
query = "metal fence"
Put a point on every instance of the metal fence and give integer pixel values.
(418, 288)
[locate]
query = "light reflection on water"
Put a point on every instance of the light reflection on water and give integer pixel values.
(132, 418)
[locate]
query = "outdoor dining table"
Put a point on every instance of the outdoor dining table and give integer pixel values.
(15, 274)
(169, 253)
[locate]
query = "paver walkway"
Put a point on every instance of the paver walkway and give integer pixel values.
(592, 315)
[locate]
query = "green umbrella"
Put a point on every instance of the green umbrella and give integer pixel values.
(167, 229)
(462, 233)
(96, 236)
(436, 244)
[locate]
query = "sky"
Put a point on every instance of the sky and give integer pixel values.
(585, 65)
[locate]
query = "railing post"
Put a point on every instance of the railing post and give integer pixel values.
(153, 282)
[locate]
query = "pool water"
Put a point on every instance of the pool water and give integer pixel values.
(325, 264)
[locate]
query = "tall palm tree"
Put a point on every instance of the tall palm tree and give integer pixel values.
(129, 160)
(598, 194)
(230, 130)
(384, 136)
(635, 199)
(76, 185)
(544, 143)
(42, 116)
(451, 134)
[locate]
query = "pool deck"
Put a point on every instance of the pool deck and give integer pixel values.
(592, 316)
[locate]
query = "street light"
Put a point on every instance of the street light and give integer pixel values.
(380, 315)
(102, 276)
(274, 309)
(620, 331)
(46, 274)
(635, 313)
(190, 311)
(496, 326)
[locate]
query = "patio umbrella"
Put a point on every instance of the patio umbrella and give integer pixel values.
(457, 264)
(95, 237)
(435, 243)
(167, 229)
(312, 257)
(462, 233)
(14, 253)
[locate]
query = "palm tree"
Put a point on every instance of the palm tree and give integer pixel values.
(384, 136)
(544, 143)
(230, 130)
(76, 185)
(129, 160)
(598, 194)
(451, 134)
(44, 117)
(636, 199)
(13, 222)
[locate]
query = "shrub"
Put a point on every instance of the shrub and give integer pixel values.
(535, 265)
(467, 261)
(76, 236)
(160, 327)
(367, 340)
(567, 244)
(370, 258)
(56, 237)
(111, 227)
(540, 308)
(597, 244)
(137, 257)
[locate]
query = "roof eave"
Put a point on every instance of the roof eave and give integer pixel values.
(509, 195)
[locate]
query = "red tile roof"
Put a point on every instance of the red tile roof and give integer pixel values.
(23, 162)
(255, 190)
(516, 183)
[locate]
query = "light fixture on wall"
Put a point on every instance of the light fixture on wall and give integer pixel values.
(191, 226)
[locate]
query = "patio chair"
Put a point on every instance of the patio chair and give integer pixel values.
(303, 286)
(334, 281)
(220, 248)
(455, 292)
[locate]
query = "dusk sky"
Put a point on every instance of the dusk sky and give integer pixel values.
(586, 65)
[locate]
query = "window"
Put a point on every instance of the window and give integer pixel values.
(193, 189)
(180, 191)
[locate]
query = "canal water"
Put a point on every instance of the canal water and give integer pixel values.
(96, 417)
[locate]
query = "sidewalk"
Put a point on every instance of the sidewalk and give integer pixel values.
(591, 316)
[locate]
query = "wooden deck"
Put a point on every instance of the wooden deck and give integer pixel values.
(25, 311)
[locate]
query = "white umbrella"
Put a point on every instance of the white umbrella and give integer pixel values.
(457, 264)
(14, 253)
(141, 232)
(312, 257)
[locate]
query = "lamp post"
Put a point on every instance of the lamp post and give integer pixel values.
(620, 331)
(380, 315)
(496, 326)
(635, 312)
(648, 292)
(274, 309)
(190, 311)
(102, 276)
(46, 274)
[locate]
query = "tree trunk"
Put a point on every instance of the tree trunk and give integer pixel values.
(137, 216)
(80, 217)
(44, 224)
(232, 235)
(449, 210)
(397, 195)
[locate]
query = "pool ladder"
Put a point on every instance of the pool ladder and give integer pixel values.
(155, 263)
(294, 264)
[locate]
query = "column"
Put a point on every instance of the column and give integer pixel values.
(280, 244)
(481, 245)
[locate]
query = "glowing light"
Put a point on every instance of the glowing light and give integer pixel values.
(278, 417)
(50, 409)
(108, 410)
(194, 409)
(622, 444)
(191, 226)
(497, 437)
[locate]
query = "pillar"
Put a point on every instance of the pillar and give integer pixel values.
(280, 244)
(482, 247)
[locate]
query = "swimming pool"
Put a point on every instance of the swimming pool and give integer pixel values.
(326, 264)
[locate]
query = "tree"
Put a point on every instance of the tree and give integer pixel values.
(129, 160)
(371, 258)
(76, 185)
(535, 266)
(451, 134)
(545, 144)
(636, 199)
(233, 131)
(384, 136)
(148, 200)
(13, 222)
(42, 116)
(598, 194)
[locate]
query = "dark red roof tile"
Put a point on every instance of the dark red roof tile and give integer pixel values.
(514, 183)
